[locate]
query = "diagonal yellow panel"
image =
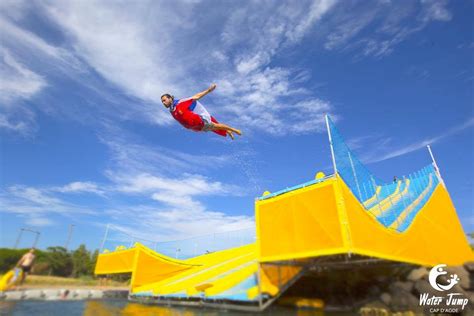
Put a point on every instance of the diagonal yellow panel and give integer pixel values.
(115, 262)
(200, 264)
(203, 275)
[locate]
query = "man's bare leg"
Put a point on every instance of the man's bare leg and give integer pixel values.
(220, 126)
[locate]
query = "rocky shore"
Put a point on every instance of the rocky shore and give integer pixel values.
(389, 290)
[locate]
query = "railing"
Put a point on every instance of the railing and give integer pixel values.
(116, 239)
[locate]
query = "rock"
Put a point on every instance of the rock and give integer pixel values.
(469, 266)
(417, 274)
(400, 286)
(373, 291)
(422, 286)
(386, 298)
(404, 301)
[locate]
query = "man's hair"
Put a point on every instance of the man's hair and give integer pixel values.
(168, 96)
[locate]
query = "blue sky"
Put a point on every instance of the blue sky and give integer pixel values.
(86, 141)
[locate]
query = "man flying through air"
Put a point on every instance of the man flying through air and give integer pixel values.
(192, 115)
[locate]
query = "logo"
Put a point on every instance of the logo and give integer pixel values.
(450, 302)
(438, 271)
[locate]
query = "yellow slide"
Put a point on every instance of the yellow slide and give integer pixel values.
(11, 278)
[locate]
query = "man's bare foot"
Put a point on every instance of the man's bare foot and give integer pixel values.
(230, 134)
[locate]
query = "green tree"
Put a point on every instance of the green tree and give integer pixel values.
(81, 259)
(95, 255)
(60, 261)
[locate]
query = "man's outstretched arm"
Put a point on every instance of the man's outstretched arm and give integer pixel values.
(199, 95)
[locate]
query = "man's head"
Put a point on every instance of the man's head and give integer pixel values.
(32, 250)
(167, 100)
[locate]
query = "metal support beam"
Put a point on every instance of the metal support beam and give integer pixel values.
(438, 173)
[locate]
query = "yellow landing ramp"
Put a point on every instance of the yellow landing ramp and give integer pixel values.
(204, 274)
(326, 219)
(209, 275)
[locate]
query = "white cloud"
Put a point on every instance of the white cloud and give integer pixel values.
(21, 125)
(171, 184)
(187, 186)
(317, 10)
(17, 81)
(375, 28)
(37, 205)
(131, 155)
(233, 44)
(256, 95)
(435, 10)
(380, 149)
(108, 38)
(124, 46)
(148, 223)
(79, 187)
(24, 41)
(14, 9)
(33, 195)
(39, 221)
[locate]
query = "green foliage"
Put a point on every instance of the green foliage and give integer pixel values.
(9, 258)
(56, 261)
(81, 261)
(60, 261)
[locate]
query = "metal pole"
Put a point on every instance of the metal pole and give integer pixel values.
(18, 238)
(105, 237)
(71, 227)
(436, 166)
(330, 143)
(36, 239)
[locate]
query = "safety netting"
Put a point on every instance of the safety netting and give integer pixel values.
(394, 203)
(117, 238)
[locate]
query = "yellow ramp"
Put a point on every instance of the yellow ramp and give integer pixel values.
(145, 265)
(209, 275)
(326, 218)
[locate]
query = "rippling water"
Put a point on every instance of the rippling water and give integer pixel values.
(123, 307)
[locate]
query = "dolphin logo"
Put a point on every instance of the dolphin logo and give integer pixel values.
(438, 270)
